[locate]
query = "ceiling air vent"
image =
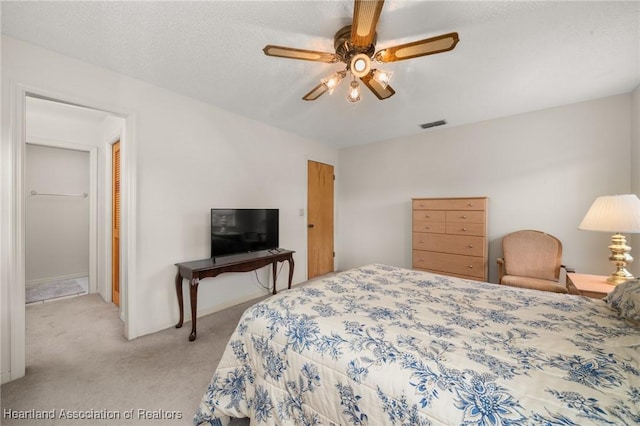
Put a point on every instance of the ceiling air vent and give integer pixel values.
(433, 124)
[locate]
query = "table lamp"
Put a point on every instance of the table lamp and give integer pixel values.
(618, 214)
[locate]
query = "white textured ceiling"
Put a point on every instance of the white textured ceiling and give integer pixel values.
(513, 57)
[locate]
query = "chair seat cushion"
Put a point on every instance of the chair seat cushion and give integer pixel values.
(533, 283)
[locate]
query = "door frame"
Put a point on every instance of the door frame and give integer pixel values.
(93, 197)
(13, 249)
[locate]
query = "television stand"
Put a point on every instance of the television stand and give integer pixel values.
(196, 270)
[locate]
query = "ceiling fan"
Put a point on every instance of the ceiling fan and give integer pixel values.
(355, 45)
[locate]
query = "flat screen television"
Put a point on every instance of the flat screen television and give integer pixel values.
(236, 231)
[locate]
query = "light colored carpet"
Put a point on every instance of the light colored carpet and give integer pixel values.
(79, 361)
(56, 289)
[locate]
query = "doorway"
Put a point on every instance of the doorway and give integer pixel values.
(320, 216)
(57, 247)
(19, 135)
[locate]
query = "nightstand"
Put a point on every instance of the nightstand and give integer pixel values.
(594, 286)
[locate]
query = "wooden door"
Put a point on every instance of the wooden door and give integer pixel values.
(320, 250)
(115, 221)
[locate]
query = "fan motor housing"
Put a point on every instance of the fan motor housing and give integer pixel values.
(345, 50)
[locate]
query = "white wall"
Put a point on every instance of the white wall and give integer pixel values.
(191, 157)
(57, 228)
(635, 165)
(635, 140)
(540, 170)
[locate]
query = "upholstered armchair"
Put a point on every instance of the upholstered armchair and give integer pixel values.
(532, 259)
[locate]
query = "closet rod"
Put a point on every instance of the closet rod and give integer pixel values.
(83, 195)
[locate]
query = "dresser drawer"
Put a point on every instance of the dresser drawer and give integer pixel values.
(455, 244)
(431, 227)
(464, 216)
(451, 274)
(429, 216)
(466, 229)
(449, 263)
(449, 203)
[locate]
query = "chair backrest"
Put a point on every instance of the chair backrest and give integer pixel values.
(533, 254)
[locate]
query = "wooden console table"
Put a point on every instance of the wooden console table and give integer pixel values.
(205, 268)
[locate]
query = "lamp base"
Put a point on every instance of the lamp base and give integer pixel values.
(619, 277)
(621, 258)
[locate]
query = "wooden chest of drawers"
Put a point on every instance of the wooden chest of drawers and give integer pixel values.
(450, 236)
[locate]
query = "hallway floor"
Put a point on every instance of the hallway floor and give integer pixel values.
(53, 290)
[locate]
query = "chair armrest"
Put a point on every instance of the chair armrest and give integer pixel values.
(564, 270)
(500, 269)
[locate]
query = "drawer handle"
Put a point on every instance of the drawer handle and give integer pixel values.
(428, 216)
(421, 241)
(420, 260)
(428, 227)
(464, 216)
(422, 205)
(470, 266)
(470, 245)
(470, 204)
(464, 229)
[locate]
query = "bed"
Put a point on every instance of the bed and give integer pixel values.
(382, 345)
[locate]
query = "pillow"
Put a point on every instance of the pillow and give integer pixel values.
(625, 299)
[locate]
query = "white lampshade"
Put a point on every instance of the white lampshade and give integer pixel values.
(613, 213)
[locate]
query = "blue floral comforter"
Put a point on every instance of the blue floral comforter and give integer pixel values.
(380, 345)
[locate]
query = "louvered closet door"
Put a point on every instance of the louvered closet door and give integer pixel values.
(115, 228)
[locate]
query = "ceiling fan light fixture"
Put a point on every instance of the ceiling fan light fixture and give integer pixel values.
(332, 82)
(360, 65)
(354, 92)
(382, 77)
(355, 47)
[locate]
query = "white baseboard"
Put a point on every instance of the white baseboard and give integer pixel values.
(5, 378)
(223, 306)
(212, 310)
(58, 278)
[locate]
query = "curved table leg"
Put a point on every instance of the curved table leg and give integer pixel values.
(290, 271)
(180, 301)
(273, 269)
(193, 293)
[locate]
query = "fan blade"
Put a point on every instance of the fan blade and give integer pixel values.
(315, 93)
(365, 19)
(429, 46)
(381, 93)
(291, 53)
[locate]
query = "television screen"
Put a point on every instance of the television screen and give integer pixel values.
(243, 230)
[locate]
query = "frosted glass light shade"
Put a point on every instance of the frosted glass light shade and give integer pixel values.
(332, 82)
(354, 92)
(382, 77)
(613, 213)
